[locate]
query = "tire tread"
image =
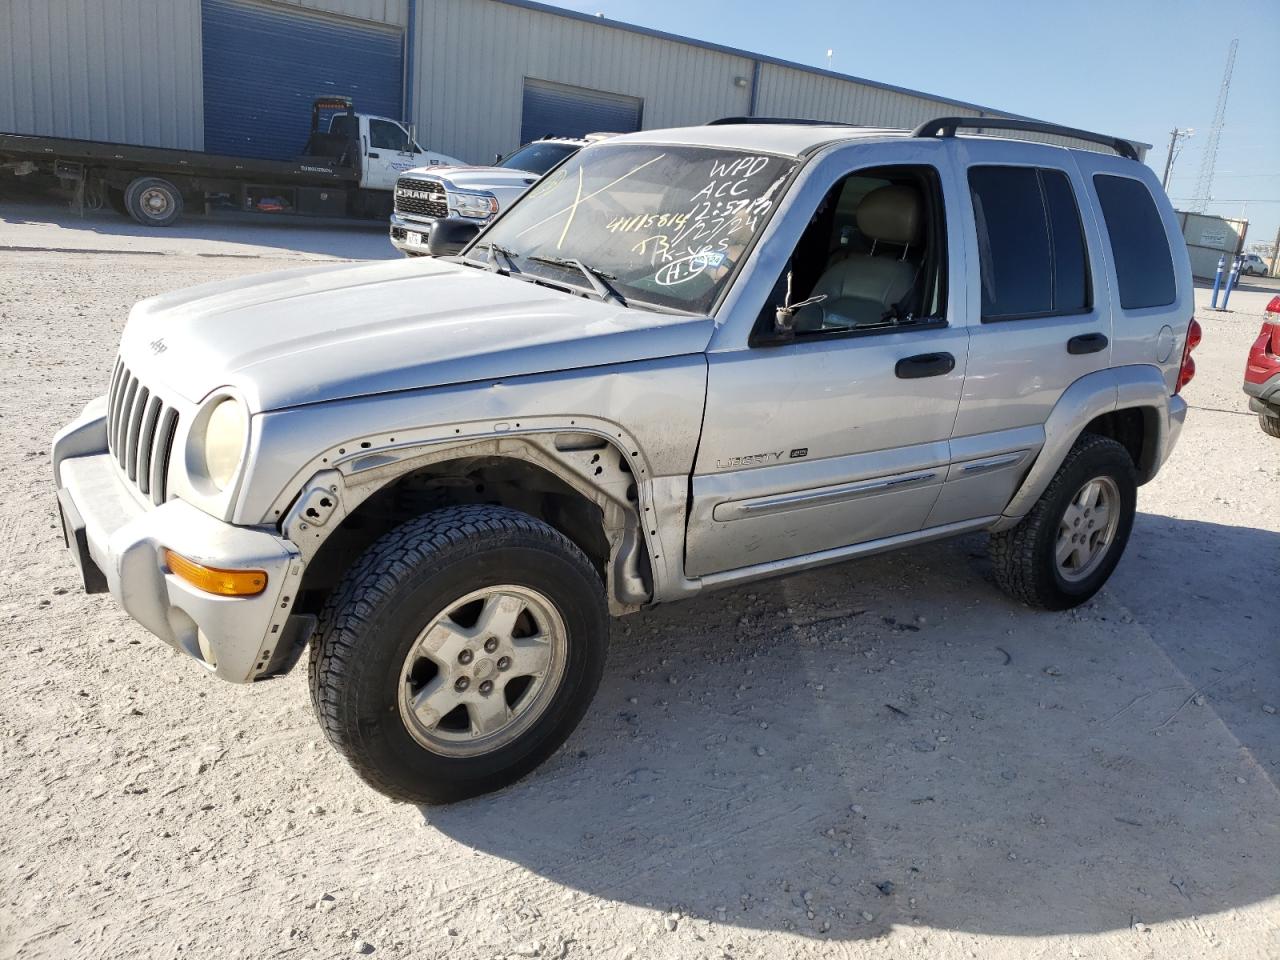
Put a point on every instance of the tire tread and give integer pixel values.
(1013, 551)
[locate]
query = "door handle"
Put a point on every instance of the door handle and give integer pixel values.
(373, 156)
(1087, 343)
(924, 365)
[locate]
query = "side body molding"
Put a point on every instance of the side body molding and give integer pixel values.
(1118, 388)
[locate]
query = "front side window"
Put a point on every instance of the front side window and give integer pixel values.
(1139, 247)
(873, 258)
(384, 135)
(538, 157)
(665, 226)
(1031, 248)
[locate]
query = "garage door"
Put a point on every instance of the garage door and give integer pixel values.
(554, 109)
(263, 65)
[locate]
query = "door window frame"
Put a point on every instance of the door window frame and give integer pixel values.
(937, 223)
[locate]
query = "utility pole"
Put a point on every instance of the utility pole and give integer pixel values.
(1174, 136)
(1275, 255)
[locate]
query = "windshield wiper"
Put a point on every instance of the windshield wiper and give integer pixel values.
(505, 254)
(598, 279)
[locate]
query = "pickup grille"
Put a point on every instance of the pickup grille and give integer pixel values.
(421, 198)
(140, 429)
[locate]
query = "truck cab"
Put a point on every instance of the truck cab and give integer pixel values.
(386, 148)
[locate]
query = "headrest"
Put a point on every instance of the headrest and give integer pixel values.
(891, 214)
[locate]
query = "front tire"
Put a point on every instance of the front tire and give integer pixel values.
(459, 652)
(1270, 425)
(1062, 552)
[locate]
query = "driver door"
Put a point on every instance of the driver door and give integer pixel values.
(387, 154)
(840, 436)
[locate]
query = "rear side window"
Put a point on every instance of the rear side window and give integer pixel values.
(1139, 246)
(1030, 243)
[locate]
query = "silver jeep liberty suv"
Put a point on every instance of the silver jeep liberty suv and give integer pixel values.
(686, 359)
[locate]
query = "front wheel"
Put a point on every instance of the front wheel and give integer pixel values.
(459, 653)
(1062, 552)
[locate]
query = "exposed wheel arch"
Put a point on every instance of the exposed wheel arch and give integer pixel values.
(581, 483)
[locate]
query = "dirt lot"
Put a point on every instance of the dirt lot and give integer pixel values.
(882, 759)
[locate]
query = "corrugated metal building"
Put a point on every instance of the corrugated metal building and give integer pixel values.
(475, 76)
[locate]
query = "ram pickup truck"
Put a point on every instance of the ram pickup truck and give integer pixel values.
(438, 210)
(684, 360)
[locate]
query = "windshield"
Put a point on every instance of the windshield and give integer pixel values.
(538, 157)
(666, 225)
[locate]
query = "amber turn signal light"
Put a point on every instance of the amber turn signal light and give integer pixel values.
(222, 583)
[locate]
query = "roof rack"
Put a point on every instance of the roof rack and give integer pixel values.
(732, 121)
(947, 126)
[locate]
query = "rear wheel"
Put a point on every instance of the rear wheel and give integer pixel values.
(459, 653)
(1270, 425)
(153, 202)
(1062, 552)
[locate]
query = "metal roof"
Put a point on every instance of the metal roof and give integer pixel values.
(764, 58)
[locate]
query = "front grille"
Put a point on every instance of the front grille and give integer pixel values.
(140, 429)
(421, 198)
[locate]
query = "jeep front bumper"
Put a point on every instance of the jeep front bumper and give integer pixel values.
(118, 543)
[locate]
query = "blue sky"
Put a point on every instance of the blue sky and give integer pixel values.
(1135, 68)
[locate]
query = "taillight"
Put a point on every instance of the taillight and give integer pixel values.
(1271, 328)
(1187, 371)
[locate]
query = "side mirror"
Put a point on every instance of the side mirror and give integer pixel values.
(497, 159)
(784, 321)
(784, 318)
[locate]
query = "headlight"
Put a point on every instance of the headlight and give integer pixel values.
(225, 434)
(478, 206)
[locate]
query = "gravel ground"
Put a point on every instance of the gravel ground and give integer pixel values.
(881, 759)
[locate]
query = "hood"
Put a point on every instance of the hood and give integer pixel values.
(475, 178)
(337, 331)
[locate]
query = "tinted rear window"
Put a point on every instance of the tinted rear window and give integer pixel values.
(1013, 242)
(1070, 264)
(1139, 246)
(1030, 243)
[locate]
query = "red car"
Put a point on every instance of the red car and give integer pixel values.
(1262, 372)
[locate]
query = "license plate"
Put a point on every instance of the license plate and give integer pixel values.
(416, 239)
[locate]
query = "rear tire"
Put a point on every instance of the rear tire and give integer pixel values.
(153, 202)
(1062, 552)
(1270, 425)
(424, 678)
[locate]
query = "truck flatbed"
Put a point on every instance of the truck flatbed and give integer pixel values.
(160, 160)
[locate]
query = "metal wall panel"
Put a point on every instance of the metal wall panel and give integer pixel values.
(473, 57)
(126, 71)
(787, 92)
